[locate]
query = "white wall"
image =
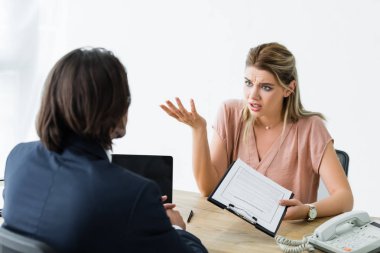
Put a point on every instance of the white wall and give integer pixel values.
(196, 49)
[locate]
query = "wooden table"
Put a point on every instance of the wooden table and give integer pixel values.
(221, 231)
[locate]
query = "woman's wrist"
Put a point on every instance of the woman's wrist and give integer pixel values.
(311, 212)
(305, 213)
(200, 128)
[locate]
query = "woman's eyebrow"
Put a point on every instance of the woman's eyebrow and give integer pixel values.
(269, 84)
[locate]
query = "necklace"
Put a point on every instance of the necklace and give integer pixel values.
(269, 127)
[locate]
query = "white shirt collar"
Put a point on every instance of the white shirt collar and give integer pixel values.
(109, 154)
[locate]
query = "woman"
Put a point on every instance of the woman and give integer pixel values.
(63, 189)
(272, 132)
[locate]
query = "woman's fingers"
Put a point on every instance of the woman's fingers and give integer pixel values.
(171, 109)
(181, 107)
(168, 111)
(171, 106)
(192, 105)
(289, 202)
(180, 113)
(296, 209)
(187, 116)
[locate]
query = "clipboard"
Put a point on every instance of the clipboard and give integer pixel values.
(252, 197)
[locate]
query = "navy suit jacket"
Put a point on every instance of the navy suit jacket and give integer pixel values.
(77, 201)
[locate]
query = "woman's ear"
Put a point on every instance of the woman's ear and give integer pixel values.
(292, 87)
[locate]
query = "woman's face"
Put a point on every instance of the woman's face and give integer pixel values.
(263, 93)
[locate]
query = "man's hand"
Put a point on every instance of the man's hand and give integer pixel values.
(167, 205)
(176, 218)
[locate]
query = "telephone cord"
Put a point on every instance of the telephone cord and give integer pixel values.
(294, 246)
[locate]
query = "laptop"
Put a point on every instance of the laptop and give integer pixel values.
(158, 168)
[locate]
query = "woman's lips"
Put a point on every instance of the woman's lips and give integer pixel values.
(255, 107)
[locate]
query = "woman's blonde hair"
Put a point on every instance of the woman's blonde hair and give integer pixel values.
(278, 60)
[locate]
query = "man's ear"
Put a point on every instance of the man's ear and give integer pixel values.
(119, 130)
(292, 87)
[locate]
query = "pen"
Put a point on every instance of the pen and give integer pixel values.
(190, 216)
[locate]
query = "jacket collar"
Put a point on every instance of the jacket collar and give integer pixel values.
(85, 145)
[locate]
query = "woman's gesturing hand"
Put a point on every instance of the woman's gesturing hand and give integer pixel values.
(179, 112)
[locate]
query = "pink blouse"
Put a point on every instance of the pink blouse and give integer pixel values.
(292, 161)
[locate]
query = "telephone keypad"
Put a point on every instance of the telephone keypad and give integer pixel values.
(357, 238)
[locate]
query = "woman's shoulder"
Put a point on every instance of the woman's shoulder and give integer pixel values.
(233, 105)
(231, 109)
(314, 119)
(311, 122)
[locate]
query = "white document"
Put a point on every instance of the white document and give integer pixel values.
(252, 196)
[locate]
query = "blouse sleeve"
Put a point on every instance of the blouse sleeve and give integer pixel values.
(319, 137)
(220, 124)
(220, 155)
(225, 129)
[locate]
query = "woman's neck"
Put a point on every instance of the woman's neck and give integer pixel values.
(268, 123)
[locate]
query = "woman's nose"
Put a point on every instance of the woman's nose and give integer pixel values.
(254, 92)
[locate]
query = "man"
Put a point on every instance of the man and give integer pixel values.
(64, 191)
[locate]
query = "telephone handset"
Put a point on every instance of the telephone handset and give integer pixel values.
(330, 228)
(349, 232)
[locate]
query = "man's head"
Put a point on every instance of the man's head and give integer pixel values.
(86, 94)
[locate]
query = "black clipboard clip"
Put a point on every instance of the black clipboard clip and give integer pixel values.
(239, 212)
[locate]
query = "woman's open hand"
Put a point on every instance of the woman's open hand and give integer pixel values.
(179, 112)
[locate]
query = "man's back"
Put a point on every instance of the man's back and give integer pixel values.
(77, 201)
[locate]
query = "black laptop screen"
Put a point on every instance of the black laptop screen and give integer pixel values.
(155, 167)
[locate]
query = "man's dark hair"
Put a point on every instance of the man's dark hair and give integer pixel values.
(86, 94)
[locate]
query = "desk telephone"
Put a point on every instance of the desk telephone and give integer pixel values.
(352, 232)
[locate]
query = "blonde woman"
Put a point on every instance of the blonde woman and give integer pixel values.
(271, 131)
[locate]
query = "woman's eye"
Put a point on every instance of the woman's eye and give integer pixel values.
(266, 87)
(248, 83)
